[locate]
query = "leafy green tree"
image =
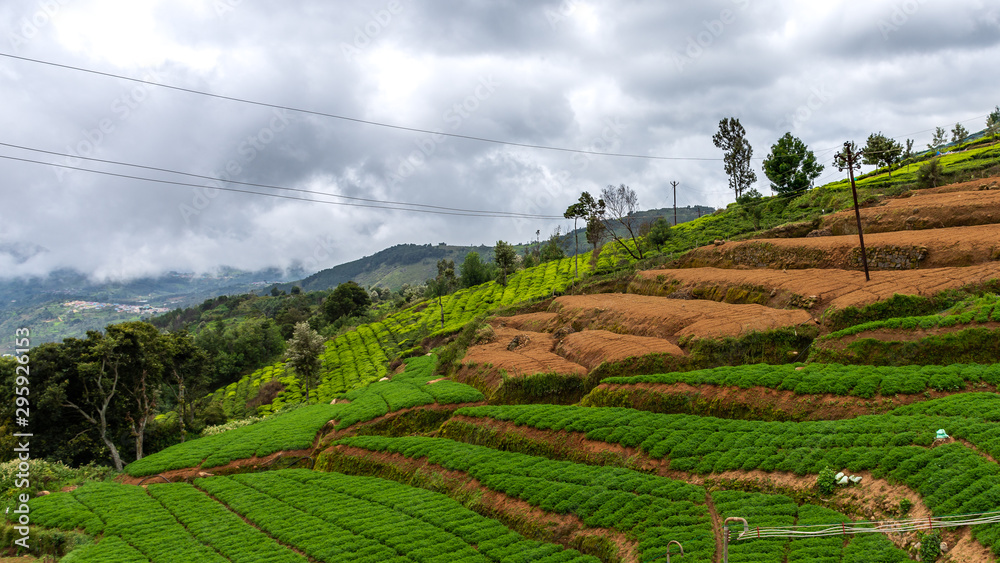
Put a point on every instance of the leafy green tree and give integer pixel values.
(96, 383)
(593, 211)
(239, 348)
(659, 234)
(474, 271)
(993, 123)
(595, 230)
(940, 138)
(69, 436)
(443, 284)
(506, 259)
(621, 203)
(791, 167)
(579, 210)
(186, 372)
(552, 250)
(144, 355)
(348, 300)
(881, 150)
(731, 138)
(528, 260)
(958, 132)
(752, 206)
(304, 351)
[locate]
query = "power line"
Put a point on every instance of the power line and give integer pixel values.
(273, 187)
(354, 119)
(371, 206)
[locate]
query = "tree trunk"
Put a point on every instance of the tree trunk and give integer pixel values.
(576, 257)
(103, 430)
(441, 305)
(180, 418)
(140, 434)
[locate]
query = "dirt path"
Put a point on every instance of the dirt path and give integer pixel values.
(831, 287)
(716, 526)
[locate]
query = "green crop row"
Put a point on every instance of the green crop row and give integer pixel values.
(141, 521)
(295, 430)
(64, 511)
(653, 509)
(855, 381)
(324, 516)
(411, 388)
(952, 478)
(110, 549)
(435, 509)
(973, 310)
(233, 397)
(220, 528)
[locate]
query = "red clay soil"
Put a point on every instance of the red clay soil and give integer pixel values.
(871, 499)
(560, 528)
(831, 287)
(956, 205)
(955, 246)
(643, 315)
(534, 356)
(771, 403)
(590, 348)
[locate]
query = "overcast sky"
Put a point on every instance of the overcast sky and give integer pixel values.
(644, 78)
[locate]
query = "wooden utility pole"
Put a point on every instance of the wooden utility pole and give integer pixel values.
(674, 184)
(848, 159)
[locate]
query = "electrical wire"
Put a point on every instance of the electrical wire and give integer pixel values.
(282, 196)
(354, 119)
(273, 187)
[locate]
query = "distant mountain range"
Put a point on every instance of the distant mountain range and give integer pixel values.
(39, 303)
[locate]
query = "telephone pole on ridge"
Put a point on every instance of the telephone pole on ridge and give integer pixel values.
(848, 159)
(674, 184)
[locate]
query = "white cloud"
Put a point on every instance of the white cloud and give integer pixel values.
(567, 73)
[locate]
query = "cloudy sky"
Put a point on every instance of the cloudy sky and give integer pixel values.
(649, 78)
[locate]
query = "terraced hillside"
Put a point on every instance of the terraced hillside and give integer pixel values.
(611, 419)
